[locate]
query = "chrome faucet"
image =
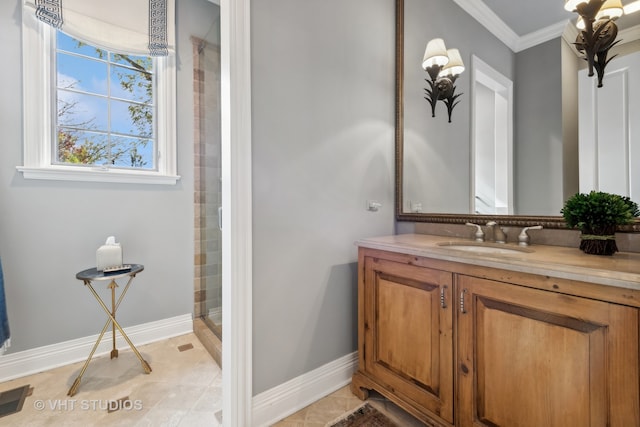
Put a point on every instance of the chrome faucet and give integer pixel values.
(479, 233)
(523, 238)
(499, 235)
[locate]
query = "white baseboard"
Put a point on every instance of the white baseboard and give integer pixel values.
(287, 398)
(20, 364)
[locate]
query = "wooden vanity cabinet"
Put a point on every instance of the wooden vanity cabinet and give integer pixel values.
(524, 356)
(405, 335)
(530, 357)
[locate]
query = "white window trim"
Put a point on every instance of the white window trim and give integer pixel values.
(38, 104)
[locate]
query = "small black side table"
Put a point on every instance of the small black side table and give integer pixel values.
(93, 275)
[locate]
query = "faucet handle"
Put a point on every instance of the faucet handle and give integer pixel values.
(523, 237)
(479, 233)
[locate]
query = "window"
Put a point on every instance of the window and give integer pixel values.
(104, 107)
(95, 115)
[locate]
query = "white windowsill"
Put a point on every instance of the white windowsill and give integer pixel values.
(98, 175)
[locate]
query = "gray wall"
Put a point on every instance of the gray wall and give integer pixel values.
(538, 150)
(49, 230)
(323, 114)
(570, 159)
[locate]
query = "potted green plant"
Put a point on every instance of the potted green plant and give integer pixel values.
(597, 214)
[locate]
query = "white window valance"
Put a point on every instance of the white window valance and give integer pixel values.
(142, 27)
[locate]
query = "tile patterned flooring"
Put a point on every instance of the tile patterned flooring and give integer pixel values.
(184, 389)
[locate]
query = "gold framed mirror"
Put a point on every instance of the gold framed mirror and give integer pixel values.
(455, 218)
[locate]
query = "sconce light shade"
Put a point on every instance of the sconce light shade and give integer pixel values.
(455, 66)
(435, 54)
(611, 9)
(570, 5)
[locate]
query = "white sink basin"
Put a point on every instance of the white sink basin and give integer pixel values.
(487, 248)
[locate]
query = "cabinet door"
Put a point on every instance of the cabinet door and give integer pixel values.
(531, 358)
(408, 333)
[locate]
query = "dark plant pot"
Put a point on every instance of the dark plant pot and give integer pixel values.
(598, 244)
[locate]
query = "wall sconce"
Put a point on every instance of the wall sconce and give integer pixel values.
(444, 66)
(598, 31)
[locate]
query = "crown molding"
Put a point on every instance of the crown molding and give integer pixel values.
(487, 17)
(542, 35)
(629, 34)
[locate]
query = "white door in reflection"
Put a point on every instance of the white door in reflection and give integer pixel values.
(609, 129)
(491, 140)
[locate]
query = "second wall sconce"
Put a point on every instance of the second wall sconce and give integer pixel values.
(598, 32)
(444, 66)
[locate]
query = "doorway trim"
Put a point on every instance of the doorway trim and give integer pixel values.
(502, 88)
(237, 212)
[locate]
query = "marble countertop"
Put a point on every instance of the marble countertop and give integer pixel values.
(621, 270)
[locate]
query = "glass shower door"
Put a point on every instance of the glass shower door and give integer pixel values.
(207, 197)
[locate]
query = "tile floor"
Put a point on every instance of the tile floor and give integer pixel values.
(335, 405)
(184, 389)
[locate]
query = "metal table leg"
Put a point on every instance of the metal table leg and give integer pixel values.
(112, 321)
(113, 285)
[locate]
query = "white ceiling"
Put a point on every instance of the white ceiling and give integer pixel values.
(525, 17)
(521, 24)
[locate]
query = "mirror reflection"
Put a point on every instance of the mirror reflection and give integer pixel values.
(491, 141)
(513, 146)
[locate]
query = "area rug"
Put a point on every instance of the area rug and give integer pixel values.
(363, 416)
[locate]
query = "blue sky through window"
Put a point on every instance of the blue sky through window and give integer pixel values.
(105, 107)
